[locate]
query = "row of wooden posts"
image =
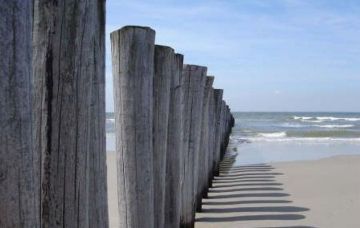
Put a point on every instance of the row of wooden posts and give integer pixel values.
(52, 121)
(172, 129)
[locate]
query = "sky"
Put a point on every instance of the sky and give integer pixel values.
(267, 55)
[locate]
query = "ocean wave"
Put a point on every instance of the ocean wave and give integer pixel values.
(313, 121)
(324, 118)
(273, 134)
(302, 117)
(330, 118)
(290, 125)
(335, 126)
(110, 120)
(298, 139)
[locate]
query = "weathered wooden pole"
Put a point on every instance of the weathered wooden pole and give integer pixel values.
(69, 111)
(163, 63)
(133, 72)
(195, 129)
(186, 184)
(195, 77)
(202, 165)
(211, 145)
(18, 195)
(218, 94)
(227, 122)
(222, 129)
(197, 87)
(174, 156)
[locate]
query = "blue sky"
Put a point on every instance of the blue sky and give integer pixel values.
(267, 55)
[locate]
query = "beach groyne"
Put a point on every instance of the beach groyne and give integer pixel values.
(52, 118)
(172, 129)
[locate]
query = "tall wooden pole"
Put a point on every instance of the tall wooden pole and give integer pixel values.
(174, 156)
(186, 185)
(69, 111)
(211, 144)
(218, 94)
(18, 198)
(133, 72)
(163, 63)
(202, 166)
(196, 76)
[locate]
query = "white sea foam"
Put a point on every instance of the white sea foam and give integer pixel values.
(308, 119)
(303, 117)
(313, 121)
(335, 126)
(319, 119)
(273, 135)
(331, 118)
(299, 140)
(290, 125)
(110, 120)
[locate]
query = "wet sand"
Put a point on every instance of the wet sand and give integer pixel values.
(321, 193)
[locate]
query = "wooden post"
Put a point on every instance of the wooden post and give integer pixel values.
(186, 185)
(218, 94)
(222, 129)
(202, 165)
(133, 70)
(18, 198)
(163, 63)
(174, 156)
(195, 77)
(69, 111)
(211, 144)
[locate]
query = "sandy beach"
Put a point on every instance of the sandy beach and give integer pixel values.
(321, 193)
(112, 191)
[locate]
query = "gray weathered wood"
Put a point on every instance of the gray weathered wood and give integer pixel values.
(186, 185)
(174, 156)
(133, 72)
(18, 198)
(222, 129)
(202, 165)
(197, 77)
(211, 140)
(163, 63)
(69, 111)
(218, 93)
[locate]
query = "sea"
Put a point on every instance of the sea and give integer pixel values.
(264, 137)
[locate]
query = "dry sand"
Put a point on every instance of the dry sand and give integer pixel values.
(112, 191)
(323, 193)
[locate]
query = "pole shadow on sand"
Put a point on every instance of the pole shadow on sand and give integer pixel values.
(247, 196)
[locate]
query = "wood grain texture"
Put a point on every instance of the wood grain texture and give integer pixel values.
(174, 156)
(222, 129)
(133, 72)
(218, 94)
(196, 76)
(186, 185)
(163, 64)
(18, 207)
(211, 144)
(202, 166)
(69, 111)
